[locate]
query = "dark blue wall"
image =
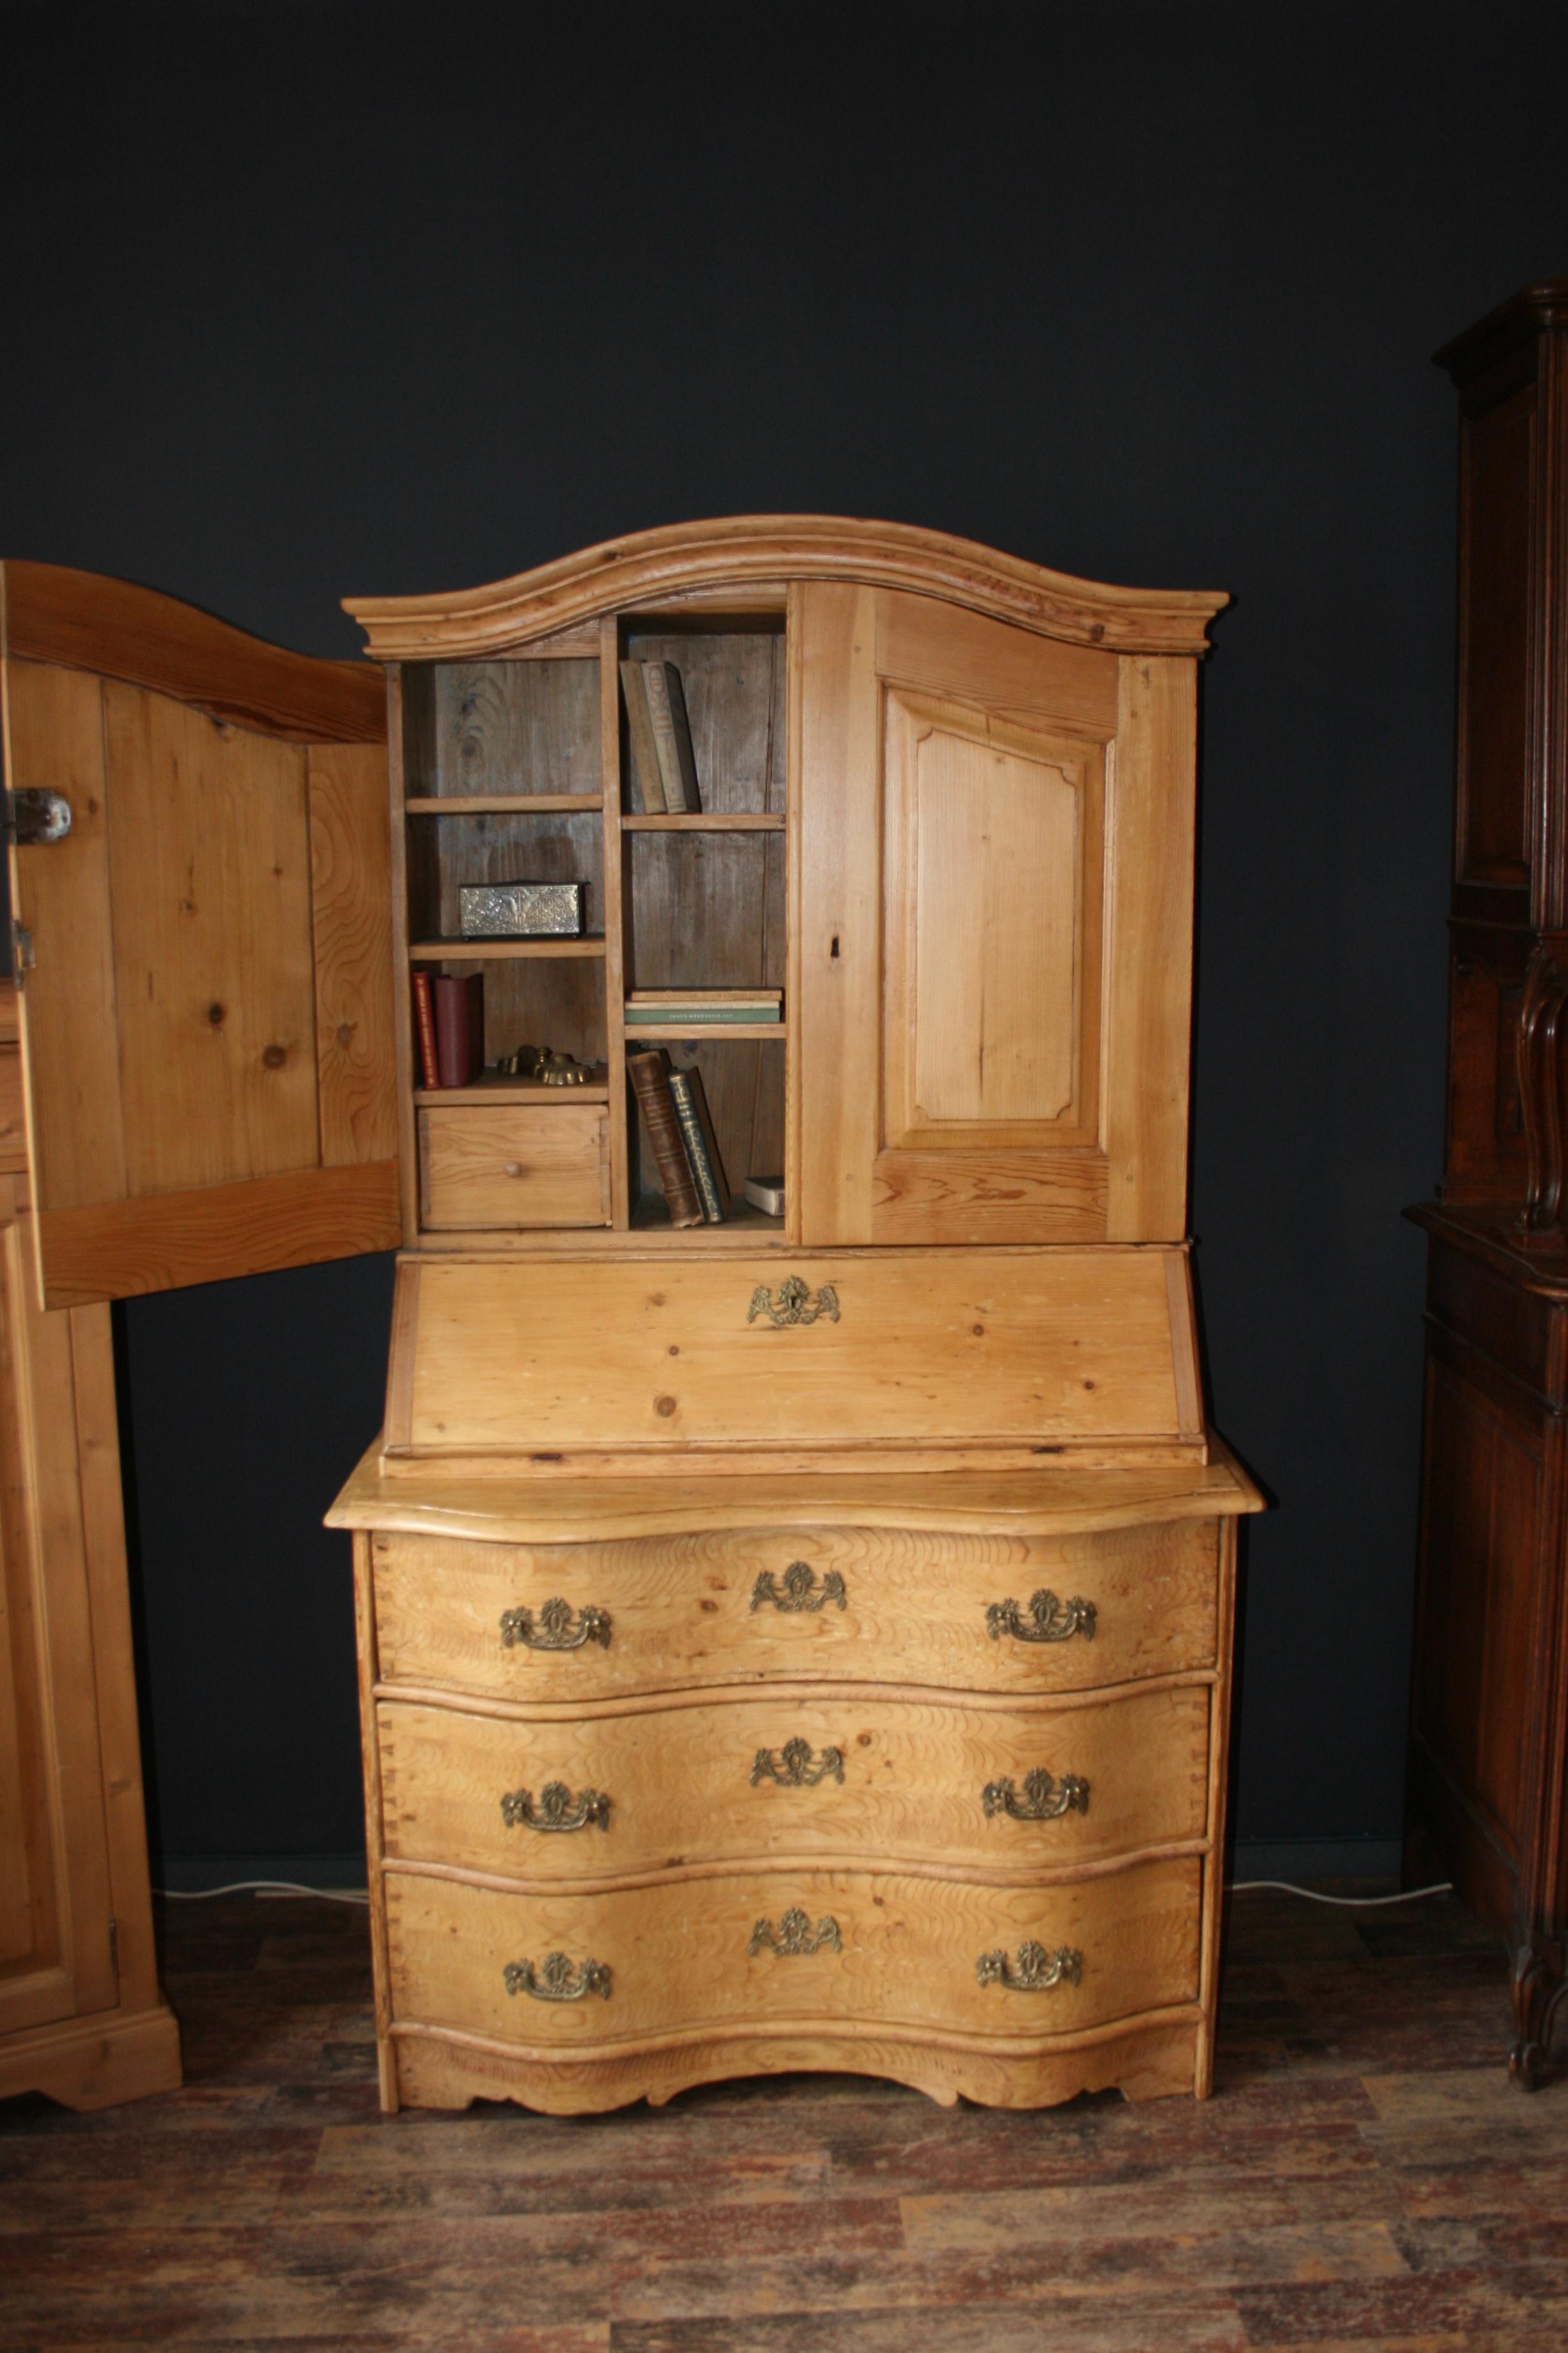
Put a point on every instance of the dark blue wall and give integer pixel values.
(306, 300)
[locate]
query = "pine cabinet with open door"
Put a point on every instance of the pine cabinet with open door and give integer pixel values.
(795, 1616)
(201, 1086)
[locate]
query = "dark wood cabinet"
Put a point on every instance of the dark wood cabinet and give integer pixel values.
(1488, 1755)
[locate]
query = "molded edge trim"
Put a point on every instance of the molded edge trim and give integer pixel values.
(741, 549)
(87, 620)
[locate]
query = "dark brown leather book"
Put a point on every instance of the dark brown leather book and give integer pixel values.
(459, 1010)
(650, 1075)
(424, 1030)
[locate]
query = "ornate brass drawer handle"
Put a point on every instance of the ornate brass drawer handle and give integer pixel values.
(794, 1769)
(554, 1629)
(557, 1808)
(794, 1303)
(1035, 1971)
(800, 1590)
(1044, 1800)
(1049, 1620)
(559, 1979)
(795, 1935)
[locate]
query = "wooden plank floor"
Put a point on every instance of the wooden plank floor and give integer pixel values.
(1366, 2177)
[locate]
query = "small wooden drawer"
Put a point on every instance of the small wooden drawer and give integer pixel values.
(515, 1165)
(660, 1784)
(1004, 1613)
(867, 1945)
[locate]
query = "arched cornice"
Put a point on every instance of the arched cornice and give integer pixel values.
(743, 552)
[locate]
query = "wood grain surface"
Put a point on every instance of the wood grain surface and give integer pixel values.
(683, 1783)
(543, 1165)
(960, 1345)
(682, 1615)
(679, 1959)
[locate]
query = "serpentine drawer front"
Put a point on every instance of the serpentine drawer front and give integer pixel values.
(579, 1968)
(1002, 1786)
(1016, 1614)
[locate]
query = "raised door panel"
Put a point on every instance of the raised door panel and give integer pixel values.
(992, 929)
(1495, 485)
(207, 980)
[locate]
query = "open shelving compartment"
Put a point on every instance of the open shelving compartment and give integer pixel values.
(519, 768)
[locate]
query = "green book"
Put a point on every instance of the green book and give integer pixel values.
(689, 1097)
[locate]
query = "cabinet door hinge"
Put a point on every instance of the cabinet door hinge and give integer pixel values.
(33, 815)
(21, 948)
(114, 1946)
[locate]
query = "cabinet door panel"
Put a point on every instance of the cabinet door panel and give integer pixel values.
(206, 1014)
(992, 928)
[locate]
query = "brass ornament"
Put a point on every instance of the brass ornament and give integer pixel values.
(793, 1768)
(554, 1629)
(548, 1064)
(558, 1980)
(795, 1935)
(1044, 1800)
(1034, 1970)
(794, 1303)
(557, 1808)
(1049, 1620)
(800, 1590)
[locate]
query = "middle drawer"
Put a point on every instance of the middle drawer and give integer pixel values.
(1032, 1785)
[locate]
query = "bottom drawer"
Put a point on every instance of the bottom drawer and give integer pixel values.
(565, 1971)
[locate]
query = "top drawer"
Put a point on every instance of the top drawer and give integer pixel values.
(663, 1613)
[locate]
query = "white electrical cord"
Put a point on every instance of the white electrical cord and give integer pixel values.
(1351, 1902)
(261, 1887)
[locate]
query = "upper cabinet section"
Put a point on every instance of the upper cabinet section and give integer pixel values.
(914, 934)
(205, 955)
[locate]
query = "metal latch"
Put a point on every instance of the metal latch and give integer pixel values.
(22, 957)
(36, 815)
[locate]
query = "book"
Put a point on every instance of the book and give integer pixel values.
(671, 735)
(643, 789)
(459, 1013)
(766, 1193)
(691, 1100)
(424, 1031)
(688, 1006)
(649, 1075)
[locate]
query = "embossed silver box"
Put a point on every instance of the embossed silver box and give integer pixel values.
(521, 911)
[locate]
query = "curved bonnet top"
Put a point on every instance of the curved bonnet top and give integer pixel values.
(743, 552)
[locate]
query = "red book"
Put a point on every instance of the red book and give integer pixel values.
(424, 1031)
(459, 1009)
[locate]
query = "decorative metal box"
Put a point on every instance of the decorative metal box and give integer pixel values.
(521, 911)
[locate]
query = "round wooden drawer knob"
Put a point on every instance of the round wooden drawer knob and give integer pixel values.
(512, 1168)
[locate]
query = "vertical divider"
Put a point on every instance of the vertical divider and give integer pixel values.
(402, 1003)
(617, 899)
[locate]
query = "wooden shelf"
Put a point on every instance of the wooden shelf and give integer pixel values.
(499, 804)
(497, 1088)
(473, 950)
(697, 822)
(650, 1223)
(665, 1033)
